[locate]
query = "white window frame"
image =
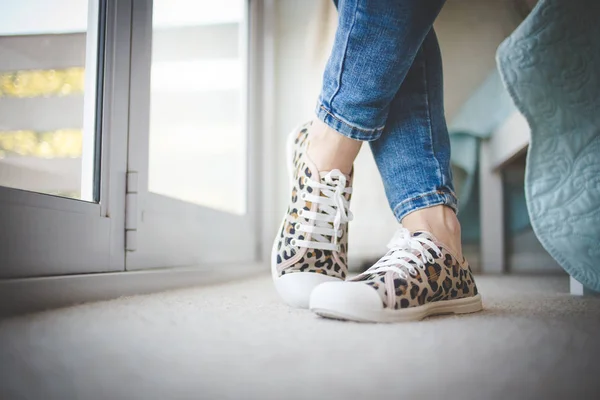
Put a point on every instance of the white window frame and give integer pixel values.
(26, 284)
(45, 235)
(166, 232)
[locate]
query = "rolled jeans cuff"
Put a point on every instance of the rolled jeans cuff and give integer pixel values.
(341, 125)
(444, 197)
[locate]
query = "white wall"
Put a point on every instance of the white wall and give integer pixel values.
(469, 32)
(294, 103)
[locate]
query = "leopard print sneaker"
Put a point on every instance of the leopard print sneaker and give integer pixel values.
(312, 243)
(417, 278)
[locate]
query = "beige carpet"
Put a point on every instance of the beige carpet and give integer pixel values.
(236, 341)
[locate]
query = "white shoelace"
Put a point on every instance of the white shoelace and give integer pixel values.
(405, 248)
(332, 209)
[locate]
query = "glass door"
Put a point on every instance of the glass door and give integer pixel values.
(189, 197)
(61, 205)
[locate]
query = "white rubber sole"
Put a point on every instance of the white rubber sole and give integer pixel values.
(326, 303)
(294, 288)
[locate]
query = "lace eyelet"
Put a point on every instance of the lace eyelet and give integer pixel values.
(303, 195)
(300, 212)
(293, 242)
(297, 226)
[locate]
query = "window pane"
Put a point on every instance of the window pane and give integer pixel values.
(46, 143)
(197, 121)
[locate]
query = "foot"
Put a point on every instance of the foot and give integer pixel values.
(441, 222)
(417, 278)
(311, 247)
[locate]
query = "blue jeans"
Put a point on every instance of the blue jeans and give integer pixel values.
(383, 84)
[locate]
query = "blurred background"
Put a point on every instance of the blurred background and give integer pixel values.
(199, 149)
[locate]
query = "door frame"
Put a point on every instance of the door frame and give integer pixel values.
(44, 235)
(39, 293)
(166, 232)
(103, 225)
(262, 119)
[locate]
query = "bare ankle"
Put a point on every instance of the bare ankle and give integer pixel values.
(441, 221)
(330, 150)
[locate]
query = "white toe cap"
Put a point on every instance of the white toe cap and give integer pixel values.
(346, 300)
(295, 288)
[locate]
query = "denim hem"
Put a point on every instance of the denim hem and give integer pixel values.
(439, 197)
(345, 128)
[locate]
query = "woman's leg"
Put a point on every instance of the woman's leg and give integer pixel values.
(391, 95)
(413, 153)
(374, 48)
(384, 81)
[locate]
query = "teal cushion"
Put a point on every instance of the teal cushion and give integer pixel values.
(551, 68)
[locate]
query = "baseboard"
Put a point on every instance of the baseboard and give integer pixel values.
(19, 296)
